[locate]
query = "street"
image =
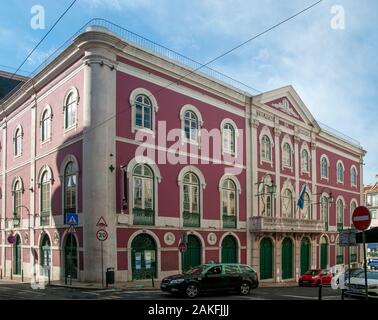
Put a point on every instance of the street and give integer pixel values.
(23, 291)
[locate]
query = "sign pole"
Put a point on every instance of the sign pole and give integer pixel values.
(349, 255)
(365, 265)
(102, 264)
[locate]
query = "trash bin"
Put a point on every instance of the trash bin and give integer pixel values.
(109, 276)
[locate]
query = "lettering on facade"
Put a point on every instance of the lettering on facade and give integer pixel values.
(265, 115)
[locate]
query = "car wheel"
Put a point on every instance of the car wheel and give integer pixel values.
(245, 288)
(192, 290)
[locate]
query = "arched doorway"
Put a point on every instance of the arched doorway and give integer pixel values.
(305, 255)
(17, 256)
(45, 255)
(323, 253)
(266, 259)
(287, 258)
(229, 250)
(70, 257)
(192, 256)
(143, 257)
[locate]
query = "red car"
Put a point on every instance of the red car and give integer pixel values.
(315, 277)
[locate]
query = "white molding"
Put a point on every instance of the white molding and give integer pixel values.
(183, 110)
(236, 135)
(266, 132)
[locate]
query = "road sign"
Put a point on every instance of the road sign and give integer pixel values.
(361, 218)
(182, 247)
(101, 235)
(11, 239)
(347, 237)
(72, 219)
(101, 222)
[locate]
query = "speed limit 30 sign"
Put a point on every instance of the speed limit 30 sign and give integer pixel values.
(102, 235)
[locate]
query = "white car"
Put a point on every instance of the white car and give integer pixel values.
(357, 285)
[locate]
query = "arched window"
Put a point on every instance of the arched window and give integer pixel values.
(143, 195)
(305, 163)
(45, 125)
(191, 126)
(266, 148)
(324, 167)
(353, 206)
(70, 110)
(70, 188)
(306, 211)
(143, 112)
(287, 204)
(353, 176)
(266, 194)
(229, 138)
(339, 252)
(45, 254)
(340, 172)
(324, 211)
(340, 214)
(229, 204)
(191, 200)
(17, 202)
(17, 140)
(286, 155)
(45, 198)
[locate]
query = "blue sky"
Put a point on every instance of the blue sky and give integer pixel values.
(334, 71)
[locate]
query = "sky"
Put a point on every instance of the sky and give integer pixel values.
(334, 70)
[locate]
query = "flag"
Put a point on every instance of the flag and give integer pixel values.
(301, 194)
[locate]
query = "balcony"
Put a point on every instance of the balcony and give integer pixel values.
(273, 224)
(191, 219)
(45, 219)
(144, 217)
(229, 221)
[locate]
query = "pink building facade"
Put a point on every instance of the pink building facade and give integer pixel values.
(109, 129)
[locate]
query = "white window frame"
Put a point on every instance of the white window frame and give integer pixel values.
(353, 201)
(143, 177)
(16, 180)
(15, 142)
(266, 132)
(339, 162)
(42, 171)
(305, 147)
(76, 99)
(338, 200)
(154, 109)
(287, 185)
(353, 167)
(286, 140)
(47, 109)
(237, 194)
(321, 167)
(328, 204)
(236, 136)
(184, 109)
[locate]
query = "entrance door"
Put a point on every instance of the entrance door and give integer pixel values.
(45, 255)
(17, 256)
(143, 257)
(229, 250)
(324, 253)
(70, 257)
(287, 258)
(192, 256)
(266, 259)
(305, 255)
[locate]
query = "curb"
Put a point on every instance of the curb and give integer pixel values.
(101, 288)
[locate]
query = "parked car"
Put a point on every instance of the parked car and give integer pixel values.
(373, 264)
(357, 285)
(213, 277)
(315, 277)
(354, 272)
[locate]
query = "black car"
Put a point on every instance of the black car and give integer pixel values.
(213, 277)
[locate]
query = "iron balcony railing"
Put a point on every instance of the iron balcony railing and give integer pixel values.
(191, 219)
(339, 259)
(143, 216)
(229, 221)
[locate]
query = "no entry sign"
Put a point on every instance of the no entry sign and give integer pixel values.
(361, 218)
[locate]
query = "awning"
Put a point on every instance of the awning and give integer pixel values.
(371, 236)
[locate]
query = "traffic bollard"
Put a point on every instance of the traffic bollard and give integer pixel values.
(48, 275)
(1, 274)
(320, 291)
(22, 275)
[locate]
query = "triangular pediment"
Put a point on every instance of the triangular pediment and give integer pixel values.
(286, 103)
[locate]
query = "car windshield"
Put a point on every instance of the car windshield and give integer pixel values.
(370, 275)
(196, 270)
(312, 272)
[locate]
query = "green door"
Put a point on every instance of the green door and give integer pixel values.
(70, 257)
(287, 258)
(45, 255)
(17, 256)
(143, 255)
(229, 250)
(266, 259)
(192, 256)
(305, 255)
(323, 254)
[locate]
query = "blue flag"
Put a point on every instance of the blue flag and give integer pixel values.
(301, 194)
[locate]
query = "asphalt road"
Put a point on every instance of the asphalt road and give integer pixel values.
(23, 291)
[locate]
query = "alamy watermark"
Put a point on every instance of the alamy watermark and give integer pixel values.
(338, 19)
(38, 19)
